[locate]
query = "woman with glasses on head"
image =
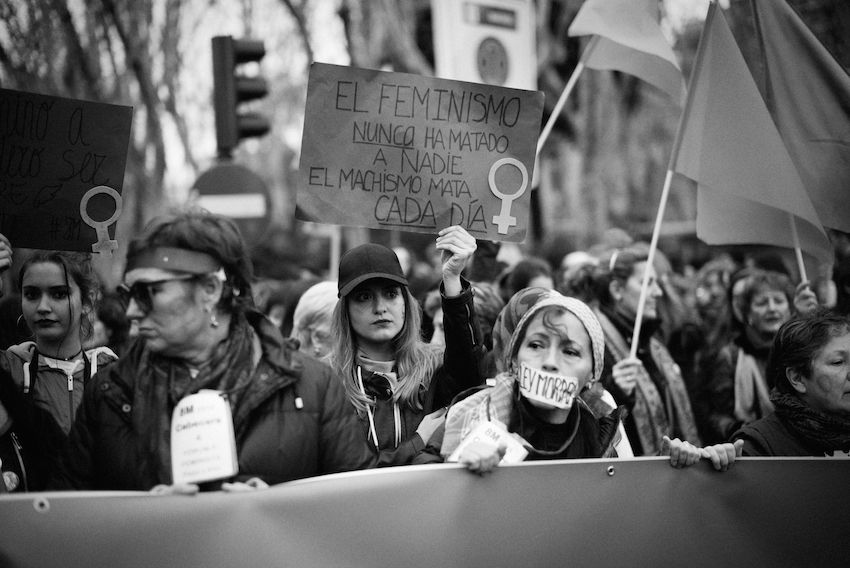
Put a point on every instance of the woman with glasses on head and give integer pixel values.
(187, 284)
(42, 380)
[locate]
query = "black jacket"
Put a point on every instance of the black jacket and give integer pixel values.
(773, 436)
(281, 442)
(458, 373)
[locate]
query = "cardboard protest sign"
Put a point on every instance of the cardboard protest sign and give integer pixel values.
(61, 171)
(400, 151)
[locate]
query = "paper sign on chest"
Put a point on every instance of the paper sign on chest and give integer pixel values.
(400, 151)
(203, 445)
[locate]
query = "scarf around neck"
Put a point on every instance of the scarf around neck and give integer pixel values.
(163, 381)
(655, 414)
(827, 432)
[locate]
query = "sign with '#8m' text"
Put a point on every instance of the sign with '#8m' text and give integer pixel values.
(400, 151)
(61, 171)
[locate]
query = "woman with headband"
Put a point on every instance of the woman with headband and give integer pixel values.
(187, 286)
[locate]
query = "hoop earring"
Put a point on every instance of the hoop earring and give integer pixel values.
(21, 327)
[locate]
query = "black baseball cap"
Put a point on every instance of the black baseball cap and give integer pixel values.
(366, 262)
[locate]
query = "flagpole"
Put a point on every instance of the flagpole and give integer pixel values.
(798, 251)
(674, 154)
(571, 83)
(653, 244)
(335, 252)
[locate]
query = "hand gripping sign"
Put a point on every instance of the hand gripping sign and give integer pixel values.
(493, 432)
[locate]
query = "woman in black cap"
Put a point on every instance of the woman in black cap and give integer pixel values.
(399, 384)
(187, 286)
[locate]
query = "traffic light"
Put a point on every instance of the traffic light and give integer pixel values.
(232, 88)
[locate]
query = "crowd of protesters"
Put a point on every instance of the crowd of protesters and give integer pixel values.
(401, 359)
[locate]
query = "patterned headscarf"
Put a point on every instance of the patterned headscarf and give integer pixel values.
(524, 305)
(507, 320)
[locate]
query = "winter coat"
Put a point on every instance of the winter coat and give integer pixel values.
(735, 390)
(303, 427)
(41, 398)
(773, 436)
(660, 404)
(591, 437)
(458, 373)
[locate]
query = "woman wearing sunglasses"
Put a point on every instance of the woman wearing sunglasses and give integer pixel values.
(42, 380)
(187, 284)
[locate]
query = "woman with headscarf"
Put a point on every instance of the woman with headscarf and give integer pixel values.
(534, 409)
(187, 286)
(595, 396)
(809, 365)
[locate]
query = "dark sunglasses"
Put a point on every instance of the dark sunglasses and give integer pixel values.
(141, 291)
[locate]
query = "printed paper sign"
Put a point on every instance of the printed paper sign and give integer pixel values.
(553, 390)
(61, 171)
(401, 151)
(203, 447)
(494, 433)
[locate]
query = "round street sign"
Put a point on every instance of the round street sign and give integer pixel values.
(234, 191)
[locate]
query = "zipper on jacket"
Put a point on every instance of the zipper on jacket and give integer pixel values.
(469, 324)
(17, 447)
(71, 397)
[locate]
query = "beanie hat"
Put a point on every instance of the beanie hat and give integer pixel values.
(366, 262)
(579, 309)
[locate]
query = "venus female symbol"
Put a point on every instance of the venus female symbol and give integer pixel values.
(504, 219)
(104, 244)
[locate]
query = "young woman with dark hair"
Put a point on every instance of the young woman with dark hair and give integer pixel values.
(42, 381)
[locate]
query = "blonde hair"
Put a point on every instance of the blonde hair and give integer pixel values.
(416, 361)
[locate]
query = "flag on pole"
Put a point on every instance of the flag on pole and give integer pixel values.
(631, 41)
(808, 94)
(748, 187)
